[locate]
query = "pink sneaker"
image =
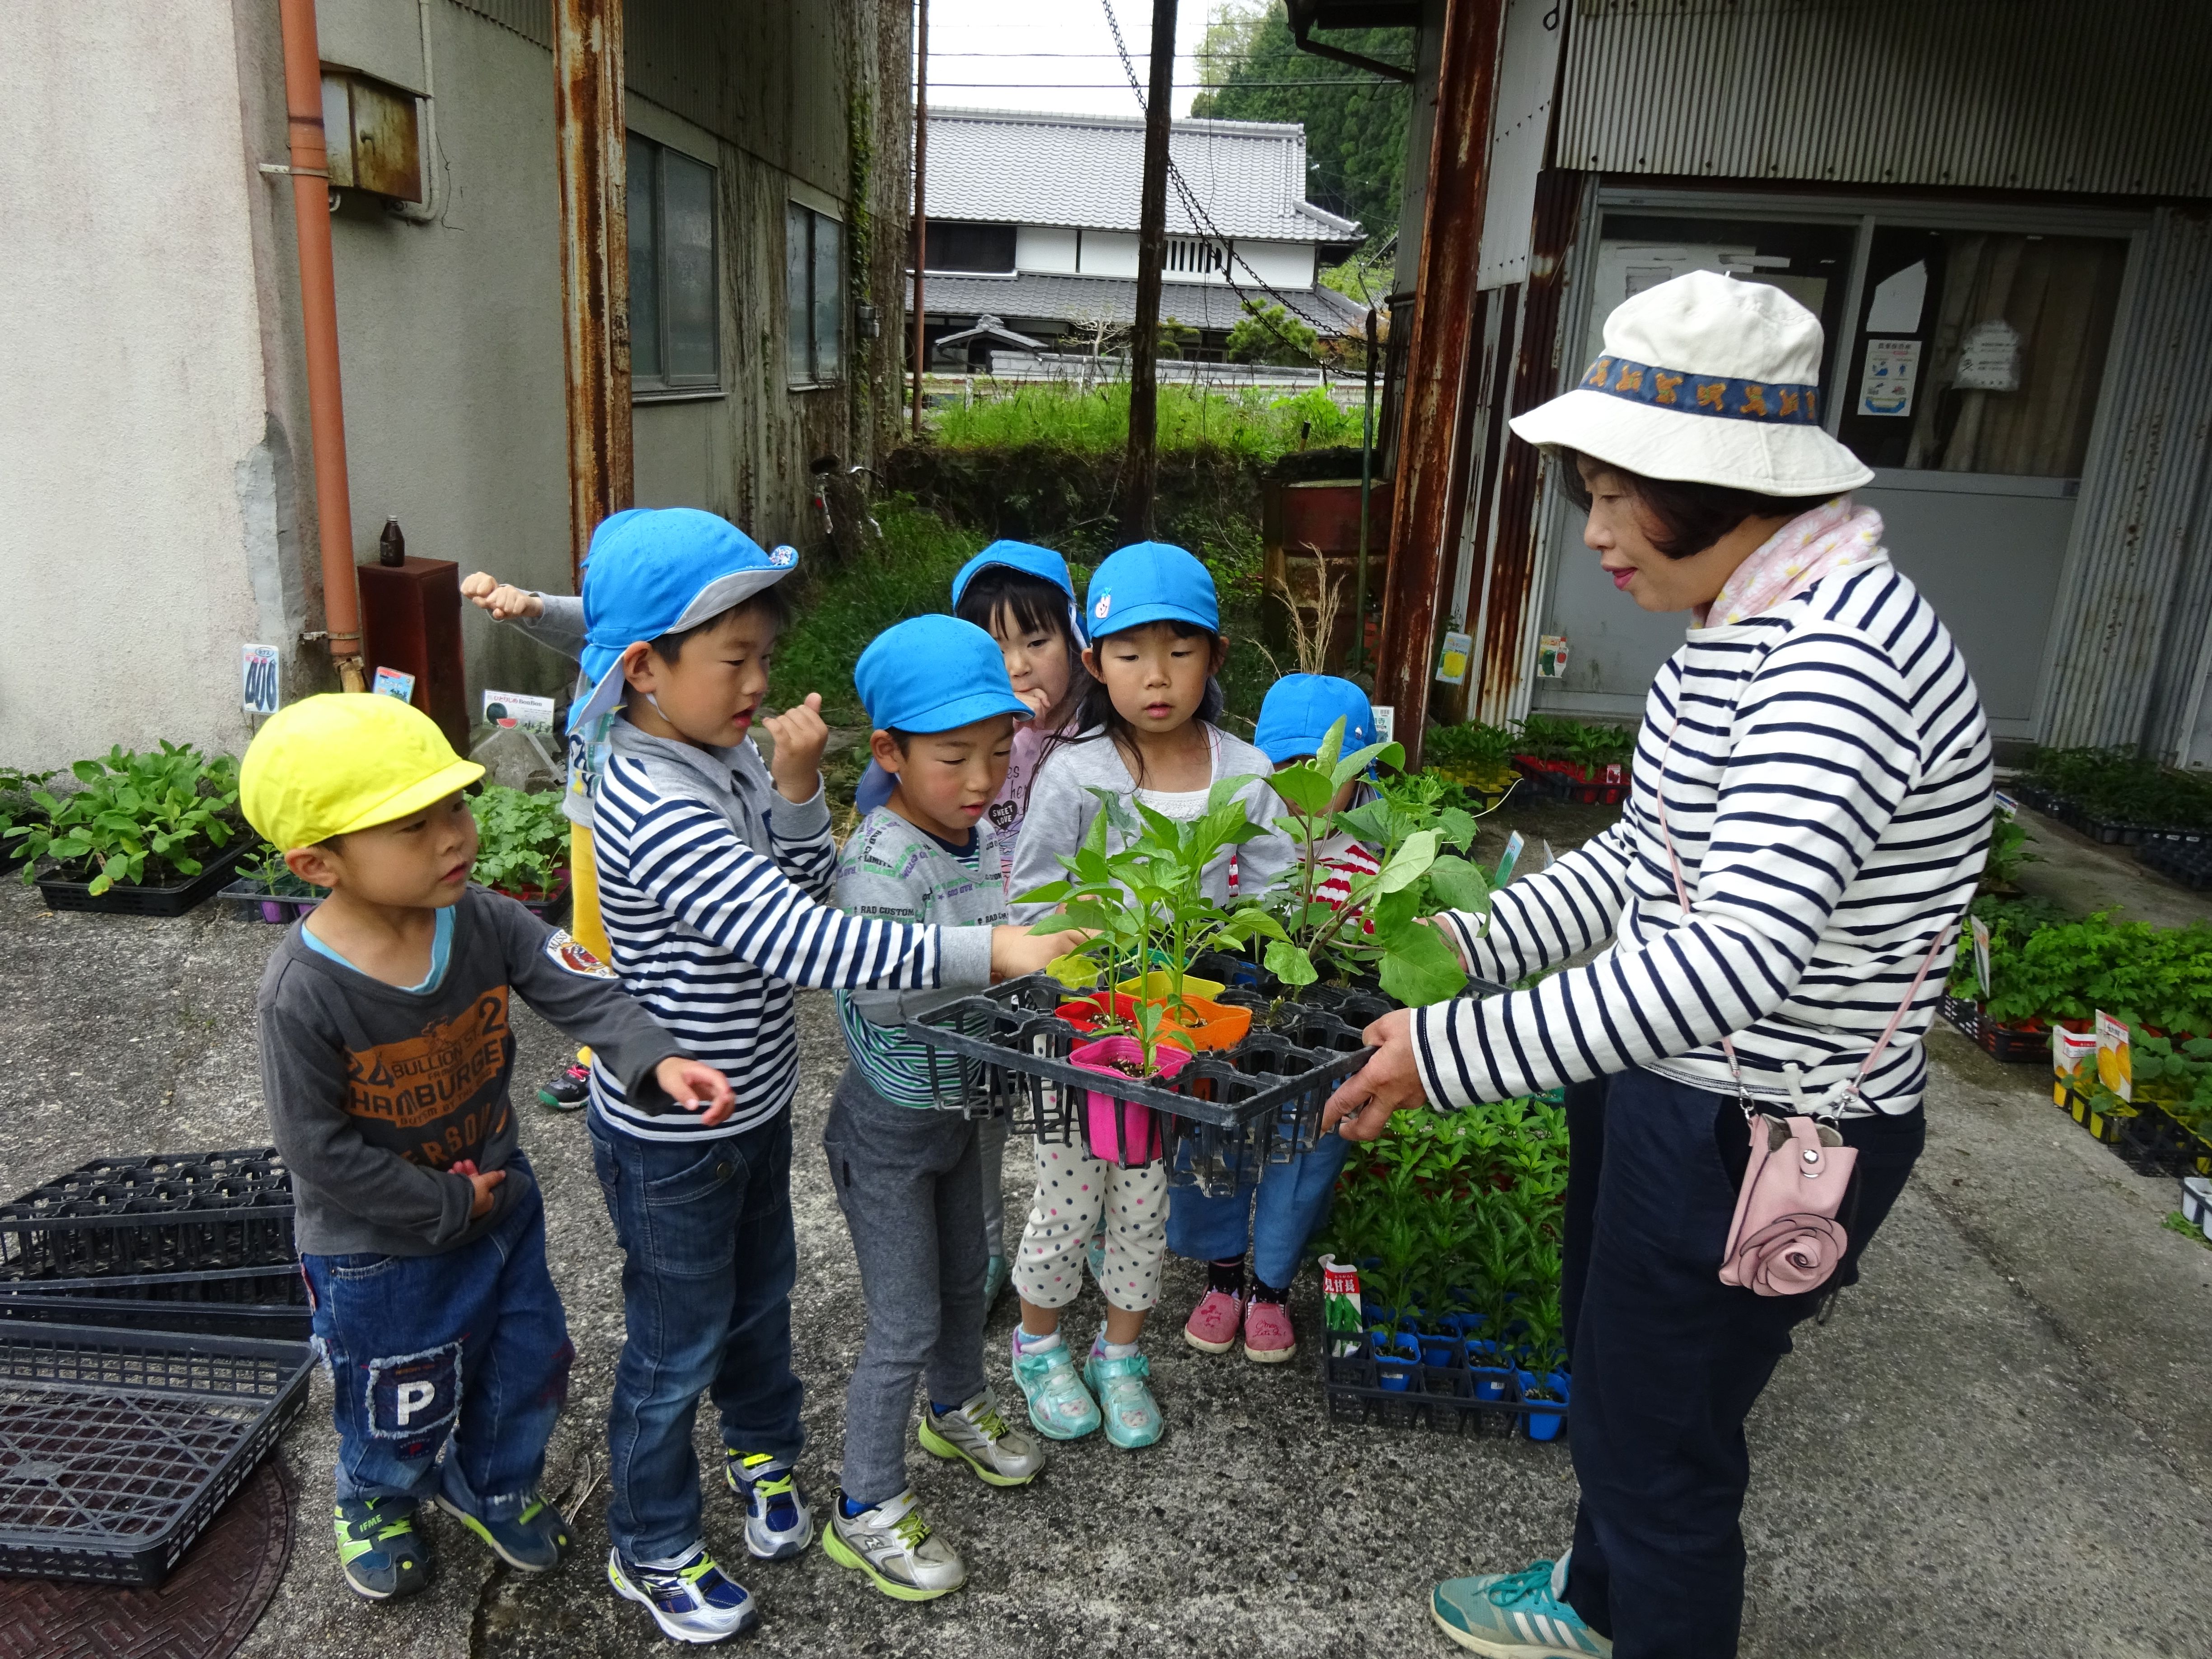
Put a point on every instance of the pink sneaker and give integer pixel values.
(1211, 1328)
(1269, 1336)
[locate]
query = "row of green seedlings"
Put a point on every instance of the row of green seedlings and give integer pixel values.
(154, 819)
(2048, 967)
(2119, 785)
(1453, 1220)
(1137, 884)
(1484, 755)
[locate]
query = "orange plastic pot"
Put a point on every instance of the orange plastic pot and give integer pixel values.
(1202, 1024)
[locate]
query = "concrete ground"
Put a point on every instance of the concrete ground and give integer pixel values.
(1999, 1446)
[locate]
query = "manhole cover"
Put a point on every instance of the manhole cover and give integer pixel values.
(203, 1612)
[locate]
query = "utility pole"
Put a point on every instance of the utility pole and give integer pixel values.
(594, 176)
(920, 200)
(1141, 469)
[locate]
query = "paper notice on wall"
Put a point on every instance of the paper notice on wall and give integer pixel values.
(1552, 657)
(1989, 358)
(1898, 299)
(2115, 1064)
(260, 668)
(390, 682)
(1891, 374)
(1451, 661)
(518, 708)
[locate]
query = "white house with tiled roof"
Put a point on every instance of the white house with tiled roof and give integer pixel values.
(1033, 220)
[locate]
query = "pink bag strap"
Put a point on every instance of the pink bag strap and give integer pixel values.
(1728, 1043)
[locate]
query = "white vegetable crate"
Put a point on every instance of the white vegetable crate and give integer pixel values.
(2196, 1201)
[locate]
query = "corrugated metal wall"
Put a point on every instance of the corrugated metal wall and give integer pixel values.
(2003, 95)
(2135, 606)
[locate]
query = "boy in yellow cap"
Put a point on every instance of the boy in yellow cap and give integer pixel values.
(385, 1051)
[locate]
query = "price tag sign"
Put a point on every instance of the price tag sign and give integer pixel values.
(390, 682)
(260, 679)
(1514, 843)
(1981, 954)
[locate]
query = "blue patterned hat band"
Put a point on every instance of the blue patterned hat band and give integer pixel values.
(1704, 394)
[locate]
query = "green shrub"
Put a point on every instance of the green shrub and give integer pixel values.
(522, 840)
(1255, 424)
(2119, 786)
(136, 820)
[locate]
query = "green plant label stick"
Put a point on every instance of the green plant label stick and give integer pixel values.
(1514, 843)
(1981, 953)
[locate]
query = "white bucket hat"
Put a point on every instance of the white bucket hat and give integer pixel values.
(1705, 379)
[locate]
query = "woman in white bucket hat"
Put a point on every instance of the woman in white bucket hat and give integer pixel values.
(1814, 764)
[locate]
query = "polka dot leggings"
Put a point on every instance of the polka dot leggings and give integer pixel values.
(1073, 1189)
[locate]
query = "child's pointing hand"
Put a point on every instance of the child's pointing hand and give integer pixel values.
(692, 1083)
(799, 734)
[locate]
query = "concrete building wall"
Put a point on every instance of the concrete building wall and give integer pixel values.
(1280, 265)
(1045, 247)
(134, 474)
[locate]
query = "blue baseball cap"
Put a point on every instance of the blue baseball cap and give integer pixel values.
(1031, 560)
(934, 674)
(652, 570)
(1149, 582)
(1298, 710)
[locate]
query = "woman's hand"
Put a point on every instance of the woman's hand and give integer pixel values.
(1389, 1081)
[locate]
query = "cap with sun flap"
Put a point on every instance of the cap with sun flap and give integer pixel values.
(934, 674)
(331, 764)
(1031, 560)
(1298, 710)
(654, 570)
(1148, 582)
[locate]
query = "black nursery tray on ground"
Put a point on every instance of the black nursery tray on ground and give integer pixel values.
(2009, 1044)
(170, 900)
(1454, 1399)
(200, 1241)
(117, 1448)
(2184, 857)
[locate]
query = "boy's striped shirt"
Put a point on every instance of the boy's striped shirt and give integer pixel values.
(711, 889)
(1828, 789)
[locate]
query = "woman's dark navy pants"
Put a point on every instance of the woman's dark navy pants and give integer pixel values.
(1667, 1359)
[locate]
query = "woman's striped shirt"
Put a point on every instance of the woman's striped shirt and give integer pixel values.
(1826, 770)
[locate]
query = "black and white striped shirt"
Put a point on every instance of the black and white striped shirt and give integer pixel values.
(1828, 789)
(709, 888)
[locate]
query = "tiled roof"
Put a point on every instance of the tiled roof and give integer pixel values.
(1024, 167)
(1213, 306)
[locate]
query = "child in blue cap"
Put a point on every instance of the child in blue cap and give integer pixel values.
(1145, 731)
(1021, 595)
(909, 1178)
(1292, 1199)
(714, 868)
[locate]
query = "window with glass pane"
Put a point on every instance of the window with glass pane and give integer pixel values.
(1981, 351)
(675, 312)
(814, 296)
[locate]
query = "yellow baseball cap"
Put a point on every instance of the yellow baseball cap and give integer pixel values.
(345, 761)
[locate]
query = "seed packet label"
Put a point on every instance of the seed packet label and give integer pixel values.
(2006, 804)
(1341, 1306)
(1551, 656)
(2115, 1063)
(518, 708)
(1615, 772)
(2070, 1052)
(1550, 857)
(1451, 661)
(1981, 953)
(390, 682)
(260, 668)
(1386, 723)
(1514, 843)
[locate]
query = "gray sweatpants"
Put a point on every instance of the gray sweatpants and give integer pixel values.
(909, 1181)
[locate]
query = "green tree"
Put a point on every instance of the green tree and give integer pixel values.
(1355, 134)
(1266, 333)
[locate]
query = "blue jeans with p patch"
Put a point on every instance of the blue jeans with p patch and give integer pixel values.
(465, 1353)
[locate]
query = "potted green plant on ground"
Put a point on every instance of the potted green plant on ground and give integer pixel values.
(152, 833)
(522, 845)
(267, 884)
(19, 810)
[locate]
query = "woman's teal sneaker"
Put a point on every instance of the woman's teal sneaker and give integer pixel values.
(1124, 1398)
(379, 1552)
(1516, 1615)
(1058, 1403)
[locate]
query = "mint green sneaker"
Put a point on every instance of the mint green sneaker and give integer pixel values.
(1059, 1405)
(1125, 1397)
(1516, 1615)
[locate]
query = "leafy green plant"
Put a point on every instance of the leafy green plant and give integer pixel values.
(1380, 925)
(2118, 784)
(266, 869)
(2008, 851)
(136, 819)
(522, 840)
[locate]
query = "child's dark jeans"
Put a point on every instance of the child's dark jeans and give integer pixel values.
(466, 1352)
(708, 1260)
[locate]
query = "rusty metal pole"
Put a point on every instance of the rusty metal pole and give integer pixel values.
(920, 202)
(1366, 497)
(1422, 516)
(1141, 469)
(319, 310)
(587, 126)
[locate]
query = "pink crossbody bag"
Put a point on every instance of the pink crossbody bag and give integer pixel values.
(1785, 1239)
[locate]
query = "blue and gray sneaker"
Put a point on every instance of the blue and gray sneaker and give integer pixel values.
(1125, 1397)
(693, 1603)
(1516, 1615)
(1059, 1405)
(531, 1542)
(778, 1523)
(378, 1550)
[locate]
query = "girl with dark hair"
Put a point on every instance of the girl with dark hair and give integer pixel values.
(1810, 814)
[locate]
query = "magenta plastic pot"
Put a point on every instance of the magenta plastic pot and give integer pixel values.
(1115, 1130)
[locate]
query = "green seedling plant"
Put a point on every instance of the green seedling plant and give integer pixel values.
(1380, 923)
(1137, 883)
(135, 819)
(266, 869)
(522, 840)
(18, 802)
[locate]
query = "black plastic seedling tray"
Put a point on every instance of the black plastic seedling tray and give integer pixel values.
(2186, 859)
(1467, 1396)
(117, 1448)
(2009, 1044)
(160, 1213)
(61, 894)
(264, 1302)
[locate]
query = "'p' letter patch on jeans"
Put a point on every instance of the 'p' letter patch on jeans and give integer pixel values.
(416, 1395)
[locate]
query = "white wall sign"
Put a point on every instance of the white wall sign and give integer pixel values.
(260, 674)
(1890, 377)
(1989, 358)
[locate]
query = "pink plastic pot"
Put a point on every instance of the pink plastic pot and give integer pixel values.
(1115, 1130)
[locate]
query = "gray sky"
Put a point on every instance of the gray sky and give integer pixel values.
(975, 40)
